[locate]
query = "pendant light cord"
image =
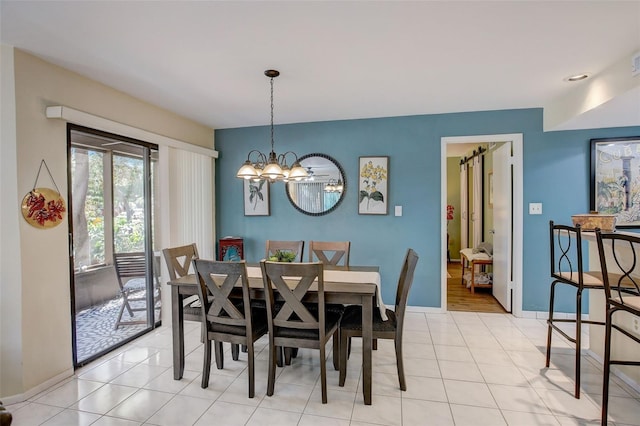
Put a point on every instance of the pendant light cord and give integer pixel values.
(272, 148)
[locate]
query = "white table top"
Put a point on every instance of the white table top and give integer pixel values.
(342, 276)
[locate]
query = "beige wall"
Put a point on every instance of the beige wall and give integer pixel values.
(45, 322)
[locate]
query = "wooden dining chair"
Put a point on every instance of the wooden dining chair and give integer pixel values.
(179, 260)
(621, 275)
(293, 324)
(351, 323)
(296, 247)
(131, 272)
(567, 270)
(330, 252)
(226, 317)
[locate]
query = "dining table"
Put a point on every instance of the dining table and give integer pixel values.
(353, 285)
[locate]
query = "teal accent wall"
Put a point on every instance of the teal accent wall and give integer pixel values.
(556, 173)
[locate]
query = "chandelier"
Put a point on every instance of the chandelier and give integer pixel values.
(334, 186)
(274, 167)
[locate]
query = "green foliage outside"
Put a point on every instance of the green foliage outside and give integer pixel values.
(128, 206)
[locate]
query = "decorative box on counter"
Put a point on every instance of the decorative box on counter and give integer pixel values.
(231, 248)
(589, 222)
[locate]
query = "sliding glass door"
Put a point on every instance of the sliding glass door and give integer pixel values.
(115, 287)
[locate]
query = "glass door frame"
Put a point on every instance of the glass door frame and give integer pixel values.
(148, 202)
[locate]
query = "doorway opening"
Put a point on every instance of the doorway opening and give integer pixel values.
(505, 228)
(115, 291)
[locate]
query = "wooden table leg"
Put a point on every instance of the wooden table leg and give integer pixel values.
(367, 337)
(473, 277)
(177, 331)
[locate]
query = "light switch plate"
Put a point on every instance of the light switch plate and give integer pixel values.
(398, 210)
(535, 208)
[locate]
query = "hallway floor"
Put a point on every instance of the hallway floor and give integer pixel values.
(463, 368)
(459, 297)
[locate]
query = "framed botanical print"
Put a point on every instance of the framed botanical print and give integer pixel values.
(256, 198)
(373, 185)
(615, 179)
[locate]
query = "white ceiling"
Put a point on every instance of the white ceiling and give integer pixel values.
(338, 60)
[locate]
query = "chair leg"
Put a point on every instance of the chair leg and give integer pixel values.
(287, 356)
(219, 355)
(235, 351)
(606, 367)
(374, 344)
(126, 303)
(272, 367)
(344, 342)
(578, 340)
(119, 320)
(550, 322)
(323, 371)
(251, 369)
(400, 364)
(279, 356)
(336, 349)
(206, 367)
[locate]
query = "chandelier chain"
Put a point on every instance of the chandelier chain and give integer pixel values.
(272, 114)
(272, 167)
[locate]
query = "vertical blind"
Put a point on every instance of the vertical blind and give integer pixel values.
(191, 195)
(309, 196)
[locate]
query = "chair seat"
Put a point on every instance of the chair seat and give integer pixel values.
(258, 321)
(632, 302)
(336, 308)
(135, 284)
(332, 319)
(352, 319)
(591, 279)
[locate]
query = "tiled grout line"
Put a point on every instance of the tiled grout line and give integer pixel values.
(457, 322)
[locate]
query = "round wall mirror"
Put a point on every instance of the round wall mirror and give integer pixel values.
(320, 192)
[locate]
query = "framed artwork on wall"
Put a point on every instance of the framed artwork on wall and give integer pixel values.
(256, 198)
(373, 185)
(615, 179)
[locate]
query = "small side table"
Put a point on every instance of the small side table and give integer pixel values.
(231, 249)
(469, 259)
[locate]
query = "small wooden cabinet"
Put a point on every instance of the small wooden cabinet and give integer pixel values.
(231, 248)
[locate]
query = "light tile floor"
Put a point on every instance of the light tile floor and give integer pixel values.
(462, 369)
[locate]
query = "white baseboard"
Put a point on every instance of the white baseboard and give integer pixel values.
(425, 310)
(14, 399)
(543, 315)
(616, 372)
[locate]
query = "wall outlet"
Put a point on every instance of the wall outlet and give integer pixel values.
(636, 325)
(535, 208)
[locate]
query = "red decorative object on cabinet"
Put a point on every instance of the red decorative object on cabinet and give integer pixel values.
(231, 248)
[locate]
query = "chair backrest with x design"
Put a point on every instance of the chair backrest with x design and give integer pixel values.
(292, 281)
(338, 250)
(219, 279)
(179, 259)
(296, 247)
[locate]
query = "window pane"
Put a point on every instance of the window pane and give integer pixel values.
(128, 204)
(87, 178)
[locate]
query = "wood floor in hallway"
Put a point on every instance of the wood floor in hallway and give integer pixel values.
(459, 297)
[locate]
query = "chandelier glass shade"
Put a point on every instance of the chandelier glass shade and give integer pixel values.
(334, 186)
(272, 167)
